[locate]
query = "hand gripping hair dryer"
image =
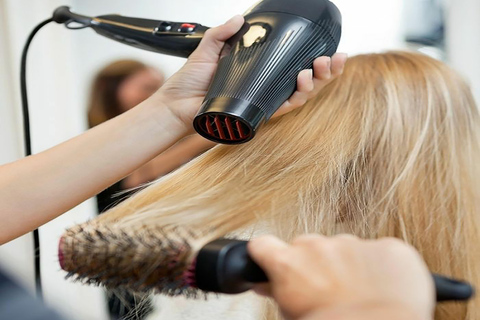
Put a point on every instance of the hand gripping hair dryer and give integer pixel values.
(258, 67)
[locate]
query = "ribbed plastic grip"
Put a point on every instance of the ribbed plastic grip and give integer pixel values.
(266, 74)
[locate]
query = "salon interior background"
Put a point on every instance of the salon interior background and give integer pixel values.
(62, 64)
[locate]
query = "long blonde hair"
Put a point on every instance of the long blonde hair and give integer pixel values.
(390, 148)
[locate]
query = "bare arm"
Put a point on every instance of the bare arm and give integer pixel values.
(39, 188)
(179, 154)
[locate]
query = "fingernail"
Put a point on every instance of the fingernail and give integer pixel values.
(328, 73)
(310, 73)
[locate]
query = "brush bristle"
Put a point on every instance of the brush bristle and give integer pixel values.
(154, 260)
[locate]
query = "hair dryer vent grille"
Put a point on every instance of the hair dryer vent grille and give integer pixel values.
(224, 128)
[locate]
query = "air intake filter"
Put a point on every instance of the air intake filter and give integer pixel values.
(260, 64)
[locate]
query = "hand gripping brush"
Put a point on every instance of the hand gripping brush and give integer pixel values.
(175, 261)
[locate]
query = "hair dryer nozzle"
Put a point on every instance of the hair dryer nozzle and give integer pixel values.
(228, 120)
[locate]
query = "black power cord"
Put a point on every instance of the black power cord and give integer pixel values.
(28, 144)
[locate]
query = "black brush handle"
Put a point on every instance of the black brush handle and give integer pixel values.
(448, 289)
(224, 266)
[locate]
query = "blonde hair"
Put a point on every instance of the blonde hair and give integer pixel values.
(390, 148)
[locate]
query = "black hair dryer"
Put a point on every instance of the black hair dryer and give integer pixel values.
(259, 65)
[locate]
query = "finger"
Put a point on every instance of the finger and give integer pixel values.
(322, 69)
(322, 74)
(214, 39)
(305, 81)
(264, 249)
(338, 63)
(326, 69)
(298, 98)
(286, 107)
(347, 238)
(308, 239)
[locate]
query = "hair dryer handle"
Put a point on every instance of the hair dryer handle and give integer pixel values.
(173, 38)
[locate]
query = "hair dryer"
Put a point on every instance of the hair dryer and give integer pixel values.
(258, 67)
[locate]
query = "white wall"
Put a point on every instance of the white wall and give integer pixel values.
(371, 25)
(11, 149)
(463, 40)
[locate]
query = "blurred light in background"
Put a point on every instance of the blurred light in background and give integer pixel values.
(424, 26)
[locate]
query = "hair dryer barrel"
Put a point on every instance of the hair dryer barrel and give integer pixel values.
(260, 64)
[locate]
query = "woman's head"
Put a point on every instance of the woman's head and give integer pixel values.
(120, 86)
(390, 148)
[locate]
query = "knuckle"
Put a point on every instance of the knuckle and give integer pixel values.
(261, 244)
(337, 72)
(391, 242)
(307, 239)
(347, 238)
(395, 247)
(342, 243)
(282, 262)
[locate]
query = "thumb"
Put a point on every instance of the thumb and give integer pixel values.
(214, 39)
(265, 251)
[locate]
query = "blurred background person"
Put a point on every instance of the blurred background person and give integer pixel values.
(117, 88)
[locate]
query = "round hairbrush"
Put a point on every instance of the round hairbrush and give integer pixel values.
(176, 261)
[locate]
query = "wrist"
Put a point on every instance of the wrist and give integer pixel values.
(182, 108)
(165, 119)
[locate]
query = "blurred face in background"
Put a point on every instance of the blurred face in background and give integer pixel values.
(138, 87)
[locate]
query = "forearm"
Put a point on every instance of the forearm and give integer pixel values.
(179, 154)
(374, 312)
(183, 152)
(39, 188)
